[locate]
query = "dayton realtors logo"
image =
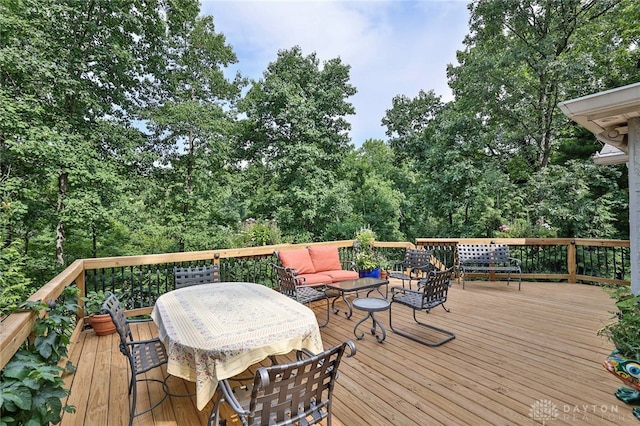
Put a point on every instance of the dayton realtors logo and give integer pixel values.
(544, 411)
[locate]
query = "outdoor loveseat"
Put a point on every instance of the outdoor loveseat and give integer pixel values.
(317, 265)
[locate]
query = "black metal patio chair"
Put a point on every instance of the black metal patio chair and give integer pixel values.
(297, 393)
(432, 291)
(143, 355)
(294, 287)
(194, 275)
(416, 264)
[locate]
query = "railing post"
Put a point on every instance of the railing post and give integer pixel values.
(571, 261)
(80, 283)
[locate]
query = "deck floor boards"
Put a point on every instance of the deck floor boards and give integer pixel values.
(513, 350)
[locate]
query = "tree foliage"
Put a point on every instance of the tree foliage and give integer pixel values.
(516, 67)
(122, 132)
(296, 133)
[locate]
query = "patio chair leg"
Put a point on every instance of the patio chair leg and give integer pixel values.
(132, 412)
(214, 417)
(450, 335)
(132, 409)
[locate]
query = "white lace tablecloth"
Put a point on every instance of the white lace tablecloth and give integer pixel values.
(216, 331)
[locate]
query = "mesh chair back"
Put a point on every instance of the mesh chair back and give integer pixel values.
(436, 287)
(417, 258)
(297, 392)
(194, 275)
(286, 281)
(113, 307)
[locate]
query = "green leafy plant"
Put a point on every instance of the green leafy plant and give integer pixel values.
(366, 257)
(31, 385)
(365, 238)
(366, 261)
(93, 302)
(14, 284)
(624, 330)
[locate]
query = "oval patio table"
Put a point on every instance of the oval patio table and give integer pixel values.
(216, 331)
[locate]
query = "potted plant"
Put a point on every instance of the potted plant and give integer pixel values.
(385, 267)
(366, 259)
(100, 322)
(624, 333)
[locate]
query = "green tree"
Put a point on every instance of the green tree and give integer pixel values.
(192, 121)
(579, 199)
(376, 201)
(515, 69)
(66, 66)
(410, 122)
(296, 136)
(14, 284)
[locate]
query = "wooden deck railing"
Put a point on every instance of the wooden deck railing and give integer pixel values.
(139, 280)
(550, 259)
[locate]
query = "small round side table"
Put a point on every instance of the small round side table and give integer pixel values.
(371, 305)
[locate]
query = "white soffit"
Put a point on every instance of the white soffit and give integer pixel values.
(610, 155)
(606, 114)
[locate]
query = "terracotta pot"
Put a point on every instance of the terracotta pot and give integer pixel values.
(102, 324)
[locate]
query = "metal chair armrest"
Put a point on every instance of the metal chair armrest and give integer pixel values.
(138, 320)
(352, 348)
(348, 265)
(396, 289)
(143, 342)
(426, 268)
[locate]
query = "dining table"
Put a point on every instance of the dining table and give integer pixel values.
(216, 331)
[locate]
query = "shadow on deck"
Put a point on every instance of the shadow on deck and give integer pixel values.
(520, 358)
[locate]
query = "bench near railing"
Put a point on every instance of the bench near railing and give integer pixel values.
(572, 260)
(487, 258)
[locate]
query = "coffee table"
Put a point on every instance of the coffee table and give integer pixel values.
(353, 286)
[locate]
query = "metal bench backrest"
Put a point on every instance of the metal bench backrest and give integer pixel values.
(194, 275)
(483, 253)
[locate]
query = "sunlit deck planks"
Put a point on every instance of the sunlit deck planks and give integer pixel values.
(513, 348)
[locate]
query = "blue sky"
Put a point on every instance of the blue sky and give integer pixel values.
(395, 47)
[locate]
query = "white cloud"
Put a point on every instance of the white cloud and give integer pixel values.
(393, 47)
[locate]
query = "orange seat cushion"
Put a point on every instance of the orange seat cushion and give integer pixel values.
(342, 275)
(314, 279)
(297, 259)
(325, 258)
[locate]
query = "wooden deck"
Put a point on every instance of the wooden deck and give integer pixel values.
(515, 352)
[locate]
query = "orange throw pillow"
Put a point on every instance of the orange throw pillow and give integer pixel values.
(298, 259)
(325, 258)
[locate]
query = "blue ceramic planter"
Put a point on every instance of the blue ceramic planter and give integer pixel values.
(370, 273)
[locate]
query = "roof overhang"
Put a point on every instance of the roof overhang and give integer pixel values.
(606, 114)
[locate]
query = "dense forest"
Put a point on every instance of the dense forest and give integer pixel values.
(121, 133)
